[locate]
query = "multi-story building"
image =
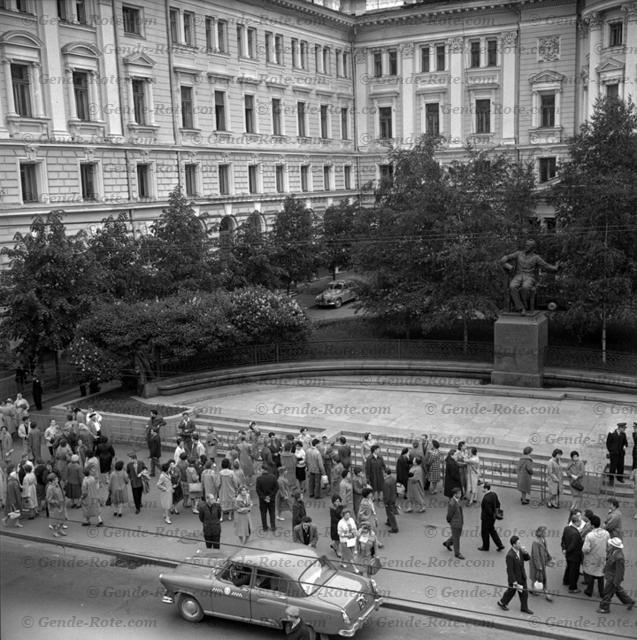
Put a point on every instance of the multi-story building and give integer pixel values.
(107, 105)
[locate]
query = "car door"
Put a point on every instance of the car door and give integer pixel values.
(230, 592)
(269, 598)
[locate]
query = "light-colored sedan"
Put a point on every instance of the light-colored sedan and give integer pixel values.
(336, 294)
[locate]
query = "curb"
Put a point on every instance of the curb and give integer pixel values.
(469, 618)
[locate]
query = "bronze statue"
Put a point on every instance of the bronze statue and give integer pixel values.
(525, 275)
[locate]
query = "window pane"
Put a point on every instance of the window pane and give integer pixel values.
(483, 116)
(186, 108)
(424, 59)
(220, 111)
(28, 182)
(21, 89)
(80, 89)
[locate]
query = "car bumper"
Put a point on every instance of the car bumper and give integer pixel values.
(325, 303)
(350, 631)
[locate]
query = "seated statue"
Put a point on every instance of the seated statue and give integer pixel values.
(525, 275)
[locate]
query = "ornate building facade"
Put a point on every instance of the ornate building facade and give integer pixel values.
(107, 105)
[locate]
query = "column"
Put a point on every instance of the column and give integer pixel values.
(456, 91)
(594, 22)
(38, 106)
(107, 41)
(68, 80)
(94, 111)
(6, 66)
(407, 89)
(53, 73)
(630, 70)
(509, 112)
(360, 116)
(150, 101)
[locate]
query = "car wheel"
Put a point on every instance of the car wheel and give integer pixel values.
(338, 303)
(320, 636)
(189, 608)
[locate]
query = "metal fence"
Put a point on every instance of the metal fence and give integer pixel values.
(591, 359)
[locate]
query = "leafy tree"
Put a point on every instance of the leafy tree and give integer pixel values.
(294, 242)
(51, 283)
(338, 235)
(595, 202)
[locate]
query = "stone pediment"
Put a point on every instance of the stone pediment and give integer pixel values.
(81, 49)
(139, 60)
(611, 65)
(546, 77)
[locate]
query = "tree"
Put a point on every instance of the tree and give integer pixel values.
(337, 236)
(294, 242)
(51, 284)
(595, 202)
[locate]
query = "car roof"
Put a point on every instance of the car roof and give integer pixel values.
(290, 560)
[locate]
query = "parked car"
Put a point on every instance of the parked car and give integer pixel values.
(337, 293)
(258, 584)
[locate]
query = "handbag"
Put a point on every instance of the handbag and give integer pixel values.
(374, 566)
(195, 488)
(324, 480)
(499, 514)
(577, 485)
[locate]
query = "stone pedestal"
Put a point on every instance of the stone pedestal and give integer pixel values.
(519, 347)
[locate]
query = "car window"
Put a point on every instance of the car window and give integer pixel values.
(315, 575)
(270, 581)
(239, 575)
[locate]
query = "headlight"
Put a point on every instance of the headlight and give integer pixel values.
(374, 585)
(346, 619)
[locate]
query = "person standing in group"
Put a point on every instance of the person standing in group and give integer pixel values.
(390, 499)
(489, 507)
(575, 471)
(193, 481)
(212, 442)
(288, 460)
(516, 576)
(227, 490)
(594, 551)
(153, 441)
(267, 488)
(358, 484)
(305, 533)
(367, 511)
(283, 494)
(455, 520)
(346, 490)
(452, 474)
(336, 513)
(315, 469)
(525, 475)
(298, 508)
(165, 486)
(348, 533)
(29, 491)
(540, 560)
(572, 549)
(616, 444)
(367, 546)
(73, 486)
(105, 454)
(434, 467)
(55, 505)
(134, 469)
(614, 576)
(554, 479)
(344, 452)
(403, 464)
(366, 445)
(209, 479)
(210, 517)
(473, 475)
(613, 522)
(242, 509)
(117, 488)
(300, 471)
(34, 442)
(36, 390)
(416, 487)
(175, 480)
(375, 471)
(90, 500)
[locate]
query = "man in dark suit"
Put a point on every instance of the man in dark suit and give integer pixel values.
(267, 487)
(616, 443)
(344, 452)
(516, 576)
(490, 504)
(572, 544)
(305, 533)
(456, 521)
(134, 469)
(390, 498)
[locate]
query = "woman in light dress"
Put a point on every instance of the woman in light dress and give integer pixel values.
(209, 479)
(165, 486)
(554, 479)
(227, 490)
(473, 475)
(29, 491)
(242, 508)
(416, 487)
(282, 500)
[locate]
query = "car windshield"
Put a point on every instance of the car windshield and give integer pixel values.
(335, 286)
(319, 572)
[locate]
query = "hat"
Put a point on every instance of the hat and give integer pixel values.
(616, 542)
(527, 450)
(51, 476)
(621, 425)
(293, 612)
(75, 458)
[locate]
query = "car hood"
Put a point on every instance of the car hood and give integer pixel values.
(350, 592)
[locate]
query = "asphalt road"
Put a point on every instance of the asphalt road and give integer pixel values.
(47, 592)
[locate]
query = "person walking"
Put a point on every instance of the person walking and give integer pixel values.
(210, 518)
(473, 475)
(367, 548)
(525, 475)
(594, 551)
(613, 522)
(90, 500)
(390, 499)
(336, 513)
(305, 533)
(452, 474)
(242, 509)
(554, 479)
(135, 468)
(165, 486)
(55, 505)
(540, 560)
(117, 484)
(516, 576)
(614, 576)
(616, 444)
(572, 549)
(489, 507)
(153, 441)
(575, 471)
(267, 488)
(455, 519)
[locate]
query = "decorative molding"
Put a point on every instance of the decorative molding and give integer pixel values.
(548, 48)
(509, 38)
(455, 45)
(594, 21)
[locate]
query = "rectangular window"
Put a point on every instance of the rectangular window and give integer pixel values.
(317, 58)
(21, 89)
(143, 181)
(393, 63)
(222, 36)
(492, 53)
(440, 57)
(475, 54)
(139, 101)
(80, 11)
(326, 60)
(268, 46)
(278, 49)
(248, 108)
(280, 182)
(615, 34)
(88, 172)
(337, 63)
(29, 182)
(344, 123)
(305, 172)
(384, 121)
(131, 18)
(345, 64)
(432, 119)
(174, 25)
(62, 14)
(424, 59)
(612, 90)
(80, 92)
(327, 177)
(386, 174)
(276, 116)
(483, 116)
(210, 39)
(190, 176)
(252, 178)
(224, 179)
(300, 118)
(347, 176)
(252, 43)
(186, 108)
(324, 131)
(220, 110)
(22, 6)
(304, 47)
(548, 169)
(240, 30)
(294, 48)
(378, 64)
(547, 110)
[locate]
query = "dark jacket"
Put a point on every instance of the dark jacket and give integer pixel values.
(489, 505)
(345, 455)
(135, 481)
(614, 567)
(336, 513)
(616, 443)
(297, 534)
(515, 567)
(572, 544)
(267, 486)
(390, 495)
(402, 470)
(210, 517)
(105, 453)
(154, 444)
(454, 514)
(298, 512)
(452, 475)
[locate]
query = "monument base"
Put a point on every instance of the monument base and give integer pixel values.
(519, 345)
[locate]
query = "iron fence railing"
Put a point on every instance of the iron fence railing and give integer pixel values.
(591, 359)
